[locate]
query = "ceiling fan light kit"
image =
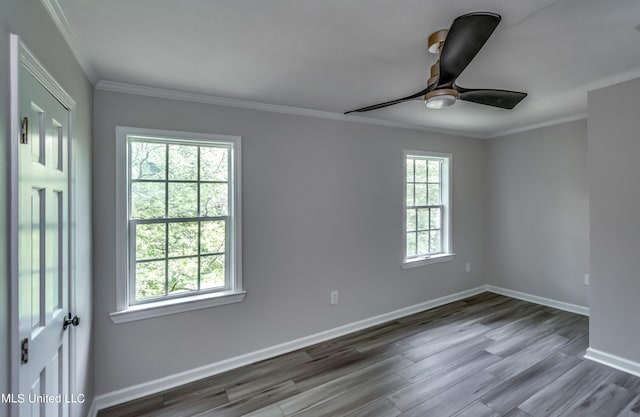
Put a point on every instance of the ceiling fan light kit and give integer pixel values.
(456, 48)
(439, 99)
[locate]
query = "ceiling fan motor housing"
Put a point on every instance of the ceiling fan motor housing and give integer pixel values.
(436, 40)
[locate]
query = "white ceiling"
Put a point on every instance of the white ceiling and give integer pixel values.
(337, 55)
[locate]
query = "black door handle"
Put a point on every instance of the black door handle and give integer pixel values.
(70, 321)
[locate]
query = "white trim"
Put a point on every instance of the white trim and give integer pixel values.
(59, 18)
(176, 305)
(591, 86)
(446, 181)
(152, 387)
(416, 262)
(72, 249)
(274, 108)
(613, 361)
(20, 55)
(548, 123)
(560, 305)
(93, 410)
(40, 73)
(14, 336)
(118, 87)
(125, 312)
(612, 80)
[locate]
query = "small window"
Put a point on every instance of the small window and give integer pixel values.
(179, 218)
(427, 206)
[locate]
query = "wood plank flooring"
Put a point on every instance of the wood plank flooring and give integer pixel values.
(485, 356)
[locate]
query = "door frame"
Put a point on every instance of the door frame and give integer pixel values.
(20, 55)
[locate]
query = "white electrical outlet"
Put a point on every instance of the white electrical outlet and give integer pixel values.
(468, 267)
(587, 279)
(334, 297)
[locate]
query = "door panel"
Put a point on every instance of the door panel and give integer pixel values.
(43, 245)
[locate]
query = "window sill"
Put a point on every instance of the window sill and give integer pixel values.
(179, 305)
(414, 263)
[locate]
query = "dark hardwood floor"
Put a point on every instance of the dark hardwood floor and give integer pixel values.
(485, 356)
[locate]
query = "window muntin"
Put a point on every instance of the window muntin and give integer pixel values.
(426, 205)
(180, 217)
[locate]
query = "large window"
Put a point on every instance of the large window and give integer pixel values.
(427, 207)
(180, 217)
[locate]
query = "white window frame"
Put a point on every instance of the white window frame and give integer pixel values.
(127, 311)
(447, 253)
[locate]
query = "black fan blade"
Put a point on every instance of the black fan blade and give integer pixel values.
(467, 35)
(392, 102)
(504, 99)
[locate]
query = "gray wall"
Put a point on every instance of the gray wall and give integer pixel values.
(614, 178)
(538, 230)
(322, 210)
(30, 20)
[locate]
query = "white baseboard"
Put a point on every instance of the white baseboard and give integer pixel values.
(613, 361)
(93, 410)
(152, 387)
(560, 305)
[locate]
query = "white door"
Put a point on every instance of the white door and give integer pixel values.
(43, 250)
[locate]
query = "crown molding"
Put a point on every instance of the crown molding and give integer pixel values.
(59, 18)
(169, 94)
(612, 80)
(592, 86)
(553, 122)
(119, 87)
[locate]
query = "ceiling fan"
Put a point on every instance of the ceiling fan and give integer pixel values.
(456, 48)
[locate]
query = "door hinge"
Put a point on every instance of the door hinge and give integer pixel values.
(24, 349)
(24, 131)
